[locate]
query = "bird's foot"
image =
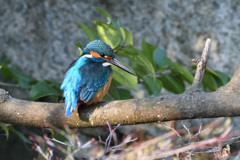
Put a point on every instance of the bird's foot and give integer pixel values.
(99, 101)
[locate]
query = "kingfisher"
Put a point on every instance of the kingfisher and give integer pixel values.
(89, 77)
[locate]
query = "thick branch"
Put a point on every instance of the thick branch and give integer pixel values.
(225, 102)
(222, 103)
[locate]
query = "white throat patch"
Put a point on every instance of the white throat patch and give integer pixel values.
(88, 56)
(105, 64)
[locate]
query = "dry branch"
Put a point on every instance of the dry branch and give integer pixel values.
(225, 102)
(201, 66)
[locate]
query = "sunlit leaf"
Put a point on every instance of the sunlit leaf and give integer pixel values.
(42, 89)
(124, 78)
(141, 59)
(108, 34)
(127, 36)
(185, 73)
(87, 31)
(209, 70)
(128, 51)
(134, 54)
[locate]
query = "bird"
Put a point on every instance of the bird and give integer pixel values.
(89, 77)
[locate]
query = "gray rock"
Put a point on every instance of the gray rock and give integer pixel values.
(40, 36)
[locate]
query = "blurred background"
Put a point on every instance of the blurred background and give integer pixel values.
(40, 36)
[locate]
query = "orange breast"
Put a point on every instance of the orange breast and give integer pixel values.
(101, 92)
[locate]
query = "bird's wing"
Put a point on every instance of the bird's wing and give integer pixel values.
(96, 77)
(83, 80)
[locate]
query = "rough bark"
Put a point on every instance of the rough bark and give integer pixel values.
(193, 103)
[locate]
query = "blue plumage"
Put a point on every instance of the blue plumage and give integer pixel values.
(90, 76)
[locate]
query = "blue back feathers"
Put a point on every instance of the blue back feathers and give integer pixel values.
(86, 77)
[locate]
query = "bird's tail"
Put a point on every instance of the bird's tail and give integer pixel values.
(70, 86)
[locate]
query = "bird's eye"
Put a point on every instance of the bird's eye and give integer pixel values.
(102, 54)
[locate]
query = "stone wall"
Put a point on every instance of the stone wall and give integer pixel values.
(40, 36)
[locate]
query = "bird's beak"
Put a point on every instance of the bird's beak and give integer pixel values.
(120, 65)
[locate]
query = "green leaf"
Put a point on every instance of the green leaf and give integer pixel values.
(179, 79)
(185, 73)
(120, 94)
(6, 73)
(224, 77)
(134, 54)
(155, 85)
(140, 70)
(19, 134)
(55, 85)
(170, 84)
(124, 78)
(124, 94)
(107, 97)
(23, 80)
(127, 36)
(114, 94)
(4, 60)
(118, 24)
(5, 129)
(141, 59)
(87, 31)
(42, 89)
(209, 82)
(15, 73)
(128, 51)
(218, 76)
(105, 14)
(160, 59)
(147, 50)
(109, 34)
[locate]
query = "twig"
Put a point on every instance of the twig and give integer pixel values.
(201, 65)
(9, 85)
(187, 129)
(173, 129)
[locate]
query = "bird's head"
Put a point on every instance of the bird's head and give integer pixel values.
(100, 52)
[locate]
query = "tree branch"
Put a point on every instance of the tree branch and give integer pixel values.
(201, 66)
(188, 105)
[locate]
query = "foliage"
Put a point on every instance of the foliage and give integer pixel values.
(153, 68)
(151, 65)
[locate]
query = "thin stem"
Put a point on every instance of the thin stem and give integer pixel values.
(201, 65)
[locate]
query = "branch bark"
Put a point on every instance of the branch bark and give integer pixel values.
(201, 66)
(225, 102)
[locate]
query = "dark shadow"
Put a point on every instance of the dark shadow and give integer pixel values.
(85, 111)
